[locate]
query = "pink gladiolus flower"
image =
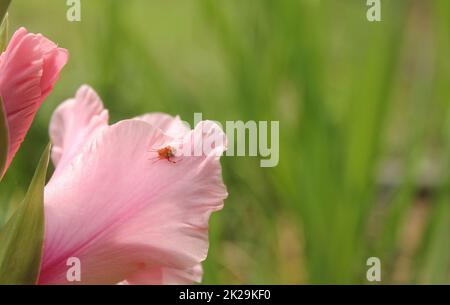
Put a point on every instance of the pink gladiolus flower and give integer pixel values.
(29, 68)
(127, 216)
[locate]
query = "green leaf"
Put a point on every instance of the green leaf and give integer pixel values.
(4, 5)
(3, 139)
(22, 237)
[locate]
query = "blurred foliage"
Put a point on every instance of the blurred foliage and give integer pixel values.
(363, 109)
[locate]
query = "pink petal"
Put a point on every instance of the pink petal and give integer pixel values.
(74, 124)
(29, 68)
(123, 214)
(172, 126)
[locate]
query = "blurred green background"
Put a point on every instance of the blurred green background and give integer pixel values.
(364, 111)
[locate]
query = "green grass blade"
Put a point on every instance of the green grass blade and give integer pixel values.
(4, 5)
(4, 29)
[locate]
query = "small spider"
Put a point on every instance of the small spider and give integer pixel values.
(166, 153)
